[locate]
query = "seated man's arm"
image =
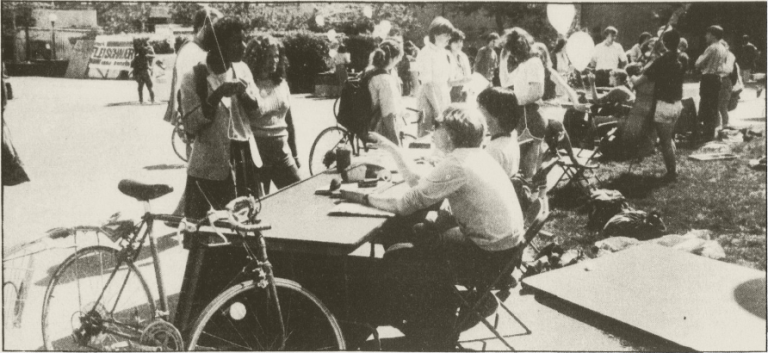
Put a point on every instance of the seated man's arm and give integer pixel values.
(444, 180)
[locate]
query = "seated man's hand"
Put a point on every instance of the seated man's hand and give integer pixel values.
(353, 196)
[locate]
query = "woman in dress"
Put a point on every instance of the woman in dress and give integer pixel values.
(271, 121)
(435, 72)
(523, 71)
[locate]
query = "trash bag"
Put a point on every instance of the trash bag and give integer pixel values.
(636, 224)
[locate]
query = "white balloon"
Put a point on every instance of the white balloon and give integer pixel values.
(561, 16)
(580, 48)
(367, 11)
(320, 20)
(331, 35)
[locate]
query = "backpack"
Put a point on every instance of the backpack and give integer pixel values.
(355, 104)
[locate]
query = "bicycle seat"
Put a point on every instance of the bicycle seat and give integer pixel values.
(141, 191)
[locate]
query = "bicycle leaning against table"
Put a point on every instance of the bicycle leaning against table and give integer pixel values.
(97, 298)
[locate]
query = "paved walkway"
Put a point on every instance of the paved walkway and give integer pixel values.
(77, 141)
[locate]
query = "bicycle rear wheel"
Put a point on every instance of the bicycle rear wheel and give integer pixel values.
(327, 141)
(76, 318)
(179, 143)
(244, 317)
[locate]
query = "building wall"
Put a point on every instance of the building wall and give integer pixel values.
(66, 18)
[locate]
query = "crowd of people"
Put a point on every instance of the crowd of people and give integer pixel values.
(228, 93)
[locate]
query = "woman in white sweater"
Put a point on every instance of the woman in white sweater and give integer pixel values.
(435, 72)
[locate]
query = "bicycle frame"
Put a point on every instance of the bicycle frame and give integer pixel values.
(131, 251)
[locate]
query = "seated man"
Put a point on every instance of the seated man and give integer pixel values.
(415, 282)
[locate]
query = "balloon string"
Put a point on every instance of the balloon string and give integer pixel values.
(218, 46)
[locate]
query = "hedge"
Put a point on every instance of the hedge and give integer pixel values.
(307, 52)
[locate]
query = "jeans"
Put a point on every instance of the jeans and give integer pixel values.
(709, 91)
(279, 166)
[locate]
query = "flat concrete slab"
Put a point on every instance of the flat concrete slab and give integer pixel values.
(690, 300)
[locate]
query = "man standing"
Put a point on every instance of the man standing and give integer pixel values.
(142, 72)
(710, 63)
(189, 54)
(487, 61)
(608, 55)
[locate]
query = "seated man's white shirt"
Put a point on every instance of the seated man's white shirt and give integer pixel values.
(608, 57)
(506, 151)
(480, 194)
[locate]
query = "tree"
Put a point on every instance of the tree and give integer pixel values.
(530, 16)
(15, 15)
(117, 17)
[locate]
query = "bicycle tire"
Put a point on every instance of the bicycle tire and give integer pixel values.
(178, 143)
(223, 323)
(10, 301)
(129, 310)
(327, 140)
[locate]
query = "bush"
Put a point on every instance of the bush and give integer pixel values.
(306, 54)
(360, 47)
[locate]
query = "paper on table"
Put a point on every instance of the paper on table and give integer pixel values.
(358, 210)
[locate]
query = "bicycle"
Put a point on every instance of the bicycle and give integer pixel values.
(337, 136)
(102, 301)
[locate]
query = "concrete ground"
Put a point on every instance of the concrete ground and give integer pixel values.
(79, 138)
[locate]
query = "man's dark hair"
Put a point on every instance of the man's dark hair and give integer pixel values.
(716, 31)
(464, 125)
(502, 105)
(634, 69)
(745, 39)
(199, 19)
(491, 36)
(671, 40)
(224, 28)
(456, 36)
(610, 30)
(439, 26)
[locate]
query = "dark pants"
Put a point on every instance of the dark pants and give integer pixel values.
(279, 166)
(241, 182)
(143, 78)
(414, 285)
(709, 90)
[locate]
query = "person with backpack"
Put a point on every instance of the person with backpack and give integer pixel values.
(272, 121)
(434, 71)
(216, 95)
(384, 88)
(142, 73)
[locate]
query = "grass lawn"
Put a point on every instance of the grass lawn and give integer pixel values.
(726, 197)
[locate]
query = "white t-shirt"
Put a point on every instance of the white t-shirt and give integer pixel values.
(506, 151)
(607, 57)
(530, 71)
(480, 195)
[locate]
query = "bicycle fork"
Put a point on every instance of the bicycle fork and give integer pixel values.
(270, 278)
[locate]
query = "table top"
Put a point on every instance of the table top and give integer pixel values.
(696, 302)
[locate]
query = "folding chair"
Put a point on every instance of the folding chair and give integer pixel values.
(580, 174)
(485, 290)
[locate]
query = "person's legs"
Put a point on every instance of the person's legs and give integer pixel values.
(724, 97)
(140, 84)
(279, 165)
(709, 90)
(148, 82)
(665, 131)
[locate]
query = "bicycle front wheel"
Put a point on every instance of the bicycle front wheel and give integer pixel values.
(327, 141)
(179, 143)
(92, 304)
(244, 318)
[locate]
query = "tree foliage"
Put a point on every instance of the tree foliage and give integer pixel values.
(530, 16)
(117, 17)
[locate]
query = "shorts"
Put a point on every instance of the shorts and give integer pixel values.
(667, 112)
